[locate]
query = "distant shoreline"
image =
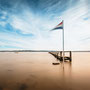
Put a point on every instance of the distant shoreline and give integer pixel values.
(36, 51)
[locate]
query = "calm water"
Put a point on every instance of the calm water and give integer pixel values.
(35, 71)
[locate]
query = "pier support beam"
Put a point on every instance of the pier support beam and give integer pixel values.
(61, 54)
(70, 56)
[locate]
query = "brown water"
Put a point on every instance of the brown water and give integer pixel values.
(35, 71)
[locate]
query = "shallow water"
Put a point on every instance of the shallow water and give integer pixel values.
(35, 71)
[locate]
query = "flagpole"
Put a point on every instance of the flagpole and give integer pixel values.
(63, 43)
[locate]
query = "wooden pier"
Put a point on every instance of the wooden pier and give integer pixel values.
(59, 55)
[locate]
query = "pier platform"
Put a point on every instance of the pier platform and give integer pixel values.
(59, 55)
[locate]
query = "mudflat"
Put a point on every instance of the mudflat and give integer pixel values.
(35, 71)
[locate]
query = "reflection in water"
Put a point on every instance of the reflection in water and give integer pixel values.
(35, 71)
(66, 74)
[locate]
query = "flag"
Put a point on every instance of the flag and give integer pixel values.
(59, 26)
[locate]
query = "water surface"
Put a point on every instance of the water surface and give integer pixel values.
(35, 71)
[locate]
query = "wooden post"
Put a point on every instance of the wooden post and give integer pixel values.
(70, 56)
(61, 54)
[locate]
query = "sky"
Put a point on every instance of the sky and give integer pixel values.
(27, 24)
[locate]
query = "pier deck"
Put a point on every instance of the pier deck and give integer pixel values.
(59, 55)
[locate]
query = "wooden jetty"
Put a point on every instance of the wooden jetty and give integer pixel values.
(59, 55)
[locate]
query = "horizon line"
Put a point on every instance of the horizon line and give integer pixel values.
(44, 50)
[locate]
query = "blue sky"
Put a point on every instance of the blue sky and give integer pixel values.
(26, 24)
